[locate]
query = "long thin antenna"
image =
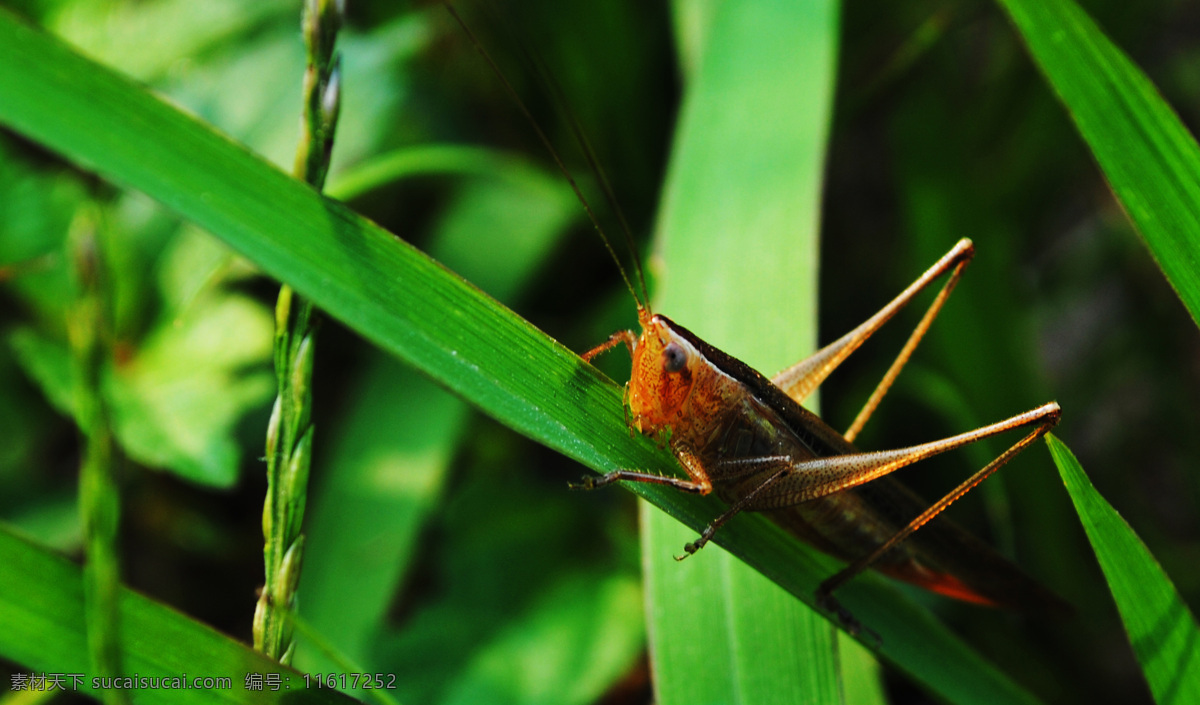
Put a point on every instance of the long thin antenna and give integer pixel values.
(562, 167)
(585, 145)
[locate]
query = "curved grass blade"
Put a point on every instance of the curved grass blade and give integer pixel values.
(41, 607)
(1161, 628)
(416, 309)
(1151, 161)
(429, 159)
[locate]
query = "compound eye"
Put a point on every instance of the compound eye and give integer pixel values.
(674, 358)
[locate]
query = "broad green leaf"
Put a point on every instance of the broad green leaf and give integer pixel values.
(174, 405)
(1147, 155)
(1161, 628)
(41, 607)
(739, 225)
(419, 311)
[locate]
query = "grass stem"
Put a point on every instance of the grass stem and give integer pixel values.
(290, 431)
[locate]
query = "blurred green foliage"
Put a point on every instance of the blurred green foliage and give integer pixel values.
(444, 548)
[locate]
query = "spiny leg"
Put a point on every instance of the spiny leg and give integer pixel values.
(820, 477)
(591, 482)
(906, 352)
(743, 503)
(805, 376)
(1045, 417)
(621, 336)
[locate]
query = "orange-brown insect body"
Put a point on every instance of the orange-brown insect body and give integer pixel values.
(736, 432)
(656, 398)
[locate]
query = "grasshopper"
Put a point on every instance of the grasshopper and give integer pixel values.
(748, 438)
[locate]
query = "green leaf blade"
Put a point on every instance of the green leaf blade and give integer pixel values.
(738, 225)
(1151, 161)
(41, 607)
(1161, 628)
